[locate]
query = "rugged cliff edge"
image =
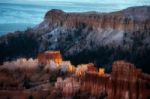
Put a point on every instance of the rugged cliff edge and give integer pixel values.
(86, 37)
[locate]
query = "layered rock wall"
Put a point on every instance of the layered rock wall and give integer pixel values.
(128, 20)
(125, 82)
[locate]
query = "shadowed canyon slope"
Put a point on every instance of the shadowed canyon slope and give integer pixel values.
(86, 37)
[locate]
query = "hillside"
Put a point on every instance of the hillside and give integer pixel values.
(86, 37)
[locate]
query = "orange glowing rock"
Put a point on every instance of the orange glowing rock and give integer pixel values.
(101, 71)
(58, 61)
(47, 56)
(71, 69)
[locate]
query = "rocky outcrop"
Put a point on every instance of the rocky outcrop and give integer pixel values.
(46, 57)
(129, 19)
(68, 87)
(79, 31)
(125, 82)
(86, 37)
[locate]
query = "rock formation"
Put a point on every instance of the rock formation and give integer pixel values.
(82, 29)
(47, 56)
(69, 86)
(125, 82)
(86, 37)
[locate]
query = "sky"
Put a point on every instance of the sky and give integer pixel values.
(46, 2)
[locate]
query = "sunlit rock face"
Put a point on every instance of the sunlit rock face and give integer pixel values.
(46, 57)
(101, 72)
(124, 82)
(83, 68)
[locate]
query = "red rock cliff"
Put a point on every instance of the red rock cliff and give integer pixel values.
(128, 19)
(125, 82)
